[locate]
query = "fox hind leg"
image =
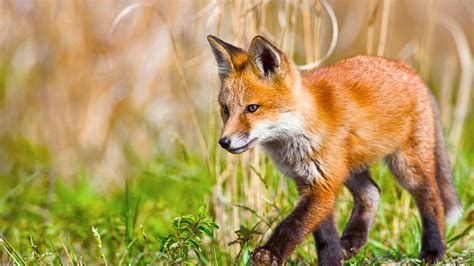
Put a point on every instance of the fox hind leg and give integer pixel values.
(414, 168)
(366, 196)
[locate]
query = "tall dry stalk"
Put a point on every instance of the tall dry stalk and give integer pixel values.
(446, 90)
(283, 17)
(334, 38)
(318, 22)
(427, 39)
(372, 11)
(293, 33)
(384, 27)
(463, 100)
(308, 38)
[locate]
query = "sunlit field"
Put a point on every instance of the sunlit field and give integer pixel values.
(109, 125)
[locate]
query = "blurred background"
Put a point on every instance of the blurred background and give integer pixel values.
(95, 94)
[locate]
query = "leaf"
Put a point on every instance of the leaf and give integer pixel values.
(195, 244)
(185, 219)
(206, 231)
(211, 224)
(164, 242)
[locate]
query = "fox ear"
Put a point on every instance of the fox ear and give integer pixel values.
(266, 57)
(223, 53)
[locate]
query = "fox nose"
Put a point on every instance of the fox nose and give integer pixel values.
(224, 142)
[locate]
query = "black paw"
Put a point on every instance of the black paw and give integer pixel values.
(352, 242)
(432, 256)
(262, 256)
(330, 257)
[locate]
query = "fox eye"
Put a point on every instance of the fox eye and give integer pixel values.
(252, 108)
(225, 110)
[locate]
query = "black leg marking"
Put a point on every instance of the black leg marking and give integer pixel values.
(419, 179)
(328, 245)
(366, 195)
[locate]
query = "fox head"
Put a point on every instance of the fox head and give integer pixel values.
(257, 93)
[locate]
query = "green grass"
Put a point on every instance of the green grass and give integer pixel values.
(157, 216)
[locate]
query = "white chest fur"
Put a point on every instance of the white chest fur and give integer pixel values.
(296, 157)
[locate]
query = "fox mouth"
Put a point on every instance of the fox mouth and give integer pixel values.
(247, 146)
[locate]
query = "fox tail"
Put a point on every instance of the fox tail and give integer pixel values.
(452, 206)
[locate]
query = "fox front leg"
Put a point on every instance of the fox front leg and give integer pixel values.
(316, 203)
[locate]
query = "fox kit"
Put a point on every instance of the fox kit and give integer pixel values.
(324, 129)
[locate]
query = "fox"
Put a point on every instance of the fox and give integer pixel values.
(324, 128)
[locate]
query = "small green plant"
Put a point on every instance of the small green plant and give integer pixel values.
(245, 237)
(186, 244)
